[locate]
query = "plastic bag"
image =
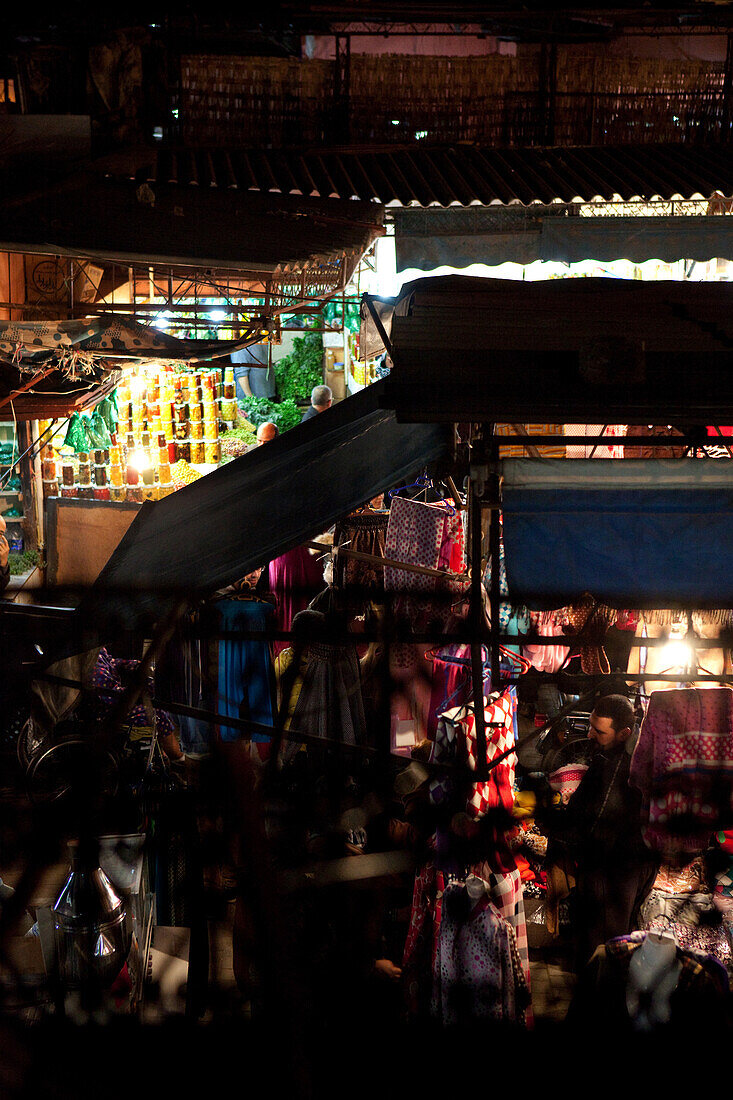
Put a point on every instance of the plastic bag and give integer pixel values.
(107, 410)
(98, 431)
(77, 436)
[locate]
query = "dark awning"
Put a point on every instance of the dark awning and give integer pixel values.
(249, 511)
(562, 351)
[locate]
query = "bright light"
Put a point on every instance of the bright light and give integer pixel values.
(161, 322)
(137, 385)
(139, 460)
(395, 122)
(217, 315)
(677, 655)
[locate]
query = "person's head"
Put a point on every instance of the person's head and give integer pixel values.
(267, 432)
(321, 398)
(249, 580)
(3, 526)
(611, 721)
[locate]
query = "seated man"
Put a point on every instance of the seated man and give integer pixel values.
(321, 399)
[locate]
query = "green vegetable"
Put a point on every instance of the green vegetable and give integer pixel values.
(285, 414)
(23, 562)
(296, 374)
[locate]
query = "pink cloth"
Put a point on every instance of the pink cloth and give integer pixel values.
(451, 684)
(546, 658)
(683, 765)
(295, 578)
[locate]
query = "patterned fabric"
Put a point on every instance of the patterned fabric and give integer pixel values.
(415, 535)
(566, 780)
(497, 790)
(444, 751)
(591, 619)
(505, 608)
(477, 972)
(505, 891)
(110, 677)
(365, 532)
(689, 879)
(422, 938)
(691, 918)
(683, 766)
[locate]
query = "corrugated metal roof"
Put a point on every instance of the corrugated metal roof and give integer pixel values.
(461, 175)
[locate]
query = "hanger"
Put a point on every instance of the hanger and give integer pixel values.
(424, 482)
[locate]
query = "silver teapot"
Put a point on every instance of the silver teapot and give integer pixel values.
(90, 924)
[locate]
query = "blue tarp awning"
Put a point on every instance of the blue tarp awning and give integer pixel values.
(648, 533)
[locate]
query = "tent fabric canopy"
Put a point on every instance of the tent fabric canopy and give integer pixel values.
(562, 240)
(79, 345)
(652, 533)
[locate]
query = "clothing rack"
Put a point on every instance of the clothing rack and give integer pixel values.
(374, 559)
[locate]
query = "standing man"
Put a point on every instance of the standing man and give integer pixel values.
(253, 373)
(602, 828)
(321, 399)
(4, 554)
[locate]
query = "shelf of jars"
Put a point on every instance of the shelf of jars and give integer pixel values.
(160, 431)
(11, 495)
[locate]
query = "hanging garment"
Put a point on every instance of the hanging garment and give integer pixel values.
(294, 578)
(501, 734)
(592, 619)
(415, 534)
(683, 766)
(330, 703)
(477, 974)
(505, 608)
(451, 555)
(545, 658)
(456, 743)
(418, 959)
(505, 891)
(450, 682)
(365, 532)
(246, 679)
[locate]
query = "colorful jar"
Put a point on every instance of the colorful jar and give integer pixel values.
(85, 470)
(197, 452)
(212, 452)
